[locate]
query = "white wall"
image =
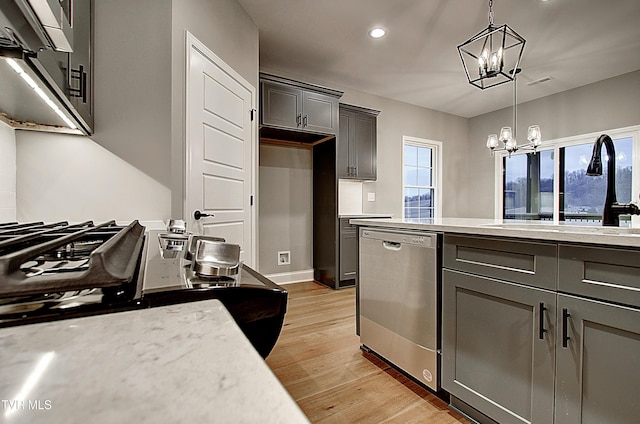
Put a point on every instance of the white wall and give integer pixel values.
(609, 104)
(7, 173)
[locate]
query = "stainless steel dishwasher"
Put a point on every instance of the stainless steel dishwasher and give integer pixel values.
(398, 299)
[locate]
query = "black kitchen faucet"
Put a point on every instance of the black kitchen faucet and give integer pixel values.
(612, 209)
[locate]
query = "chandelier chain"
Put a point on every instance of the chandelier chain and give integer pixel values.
(490, 12)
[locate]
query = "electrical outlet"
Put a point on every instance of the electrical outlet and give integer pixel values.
(284, 258)
(371, 197)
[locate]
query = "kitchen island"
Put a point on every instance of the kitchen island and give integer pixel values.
(540, 323)
(180, 363)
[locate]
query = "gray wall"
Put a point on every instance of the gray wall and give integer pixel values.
(7, 173)
(285, 196)
(609, 104)
(395, 120)
(139, 112)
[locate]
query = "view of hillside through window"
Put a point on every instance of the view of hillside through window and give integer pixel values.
(529, 183)
(418, 182)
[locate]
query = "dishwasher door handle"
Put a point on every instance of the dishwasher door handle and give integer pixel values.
(392, 245)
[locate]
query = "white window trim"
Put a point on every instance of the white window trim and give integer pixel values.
(436, 146)
(555, 145)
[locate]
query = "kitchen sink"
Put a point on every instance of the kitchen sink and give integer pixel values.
(565, 228)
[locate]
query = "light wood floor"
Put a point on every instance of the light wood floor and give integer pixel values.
(319, 361)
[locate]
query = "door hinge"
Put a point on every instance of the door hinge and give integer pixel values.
(253, 111)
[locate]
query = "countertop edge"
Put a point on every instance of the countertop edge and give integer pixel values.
(483, 227)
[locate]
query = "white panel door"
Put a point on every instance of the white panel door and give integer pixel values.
(220, 150)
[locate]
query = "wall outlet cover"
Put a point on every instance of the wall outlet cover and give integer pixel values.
(284, 257)
(371, 197)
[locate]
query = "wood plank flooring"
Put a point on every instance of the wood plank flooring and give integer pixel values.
(319, 361)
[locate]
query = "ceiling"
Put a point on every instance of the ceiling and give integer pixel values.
(573, 42)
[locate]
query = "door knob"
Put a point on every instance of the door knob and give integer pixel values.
(197, 215)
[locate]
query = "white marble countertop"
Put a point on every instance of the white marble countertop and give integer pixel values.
(181, 363)
(365, 215)
(538, 230)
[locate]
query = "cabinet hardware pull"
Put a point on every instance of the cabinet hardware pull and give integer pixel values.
(541, 328)
(298, 117)
(565, 319)
(305, 120)
(80, 75)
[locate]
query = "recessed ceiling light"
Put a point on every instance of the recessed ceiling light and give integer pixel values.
(377, 33)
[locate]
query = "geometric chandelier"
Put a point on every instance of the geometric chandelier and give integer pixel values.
(489, 55)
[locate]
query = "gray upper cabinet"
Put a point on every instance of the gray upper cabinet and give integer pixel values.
(292, 105)
(71, 74)
(357, 143)
(80, 76)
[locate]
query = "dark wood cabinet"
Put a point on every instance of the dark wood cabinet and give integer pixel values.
(293, 105)
(357, 143)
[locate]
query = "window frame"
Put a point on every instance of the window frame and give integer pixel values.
(555, 145)
(436, 165)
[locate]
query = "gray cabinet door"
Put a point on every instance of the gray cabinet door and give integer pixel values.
(319, 113)
(364, 146)
(599, 369)
(80, 76)
(281, 106)
(357, 145)
(498, 347)
(343, 146)
(348, 251)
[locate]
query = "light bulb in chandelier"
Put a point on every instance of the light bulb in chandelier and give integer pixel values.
(511, 145)
(534, 136)
(505, 134)
(492, 141)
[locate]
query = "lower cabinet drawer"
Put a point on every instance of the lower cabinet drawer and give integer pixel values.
(531, 263)
(600, 273)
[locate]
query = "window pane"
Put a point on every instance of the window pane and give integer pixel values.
(546, 183)
(426, 198)
(411, 213)
(584, 195)
(410, 155)
(515, 186)
(424, 177)
(411, 197)
(426, 213)
(410, 176)
(424, 157)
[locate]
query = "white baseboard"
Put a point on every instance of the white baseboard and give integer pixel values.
(291, 277)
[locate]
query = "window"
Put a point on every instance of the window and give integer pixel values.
(553, 185)
(421, 178)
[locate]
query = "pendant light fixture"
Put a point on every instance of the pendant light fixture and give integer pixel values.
(508, 137)
(488, 55)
